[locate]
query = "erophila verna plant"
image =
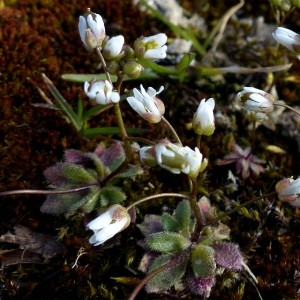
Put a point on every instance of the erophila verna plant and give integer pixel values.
(187, 246)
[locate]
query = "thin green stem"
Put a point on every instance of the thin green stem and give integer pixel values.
(98, 50)
(138, 288)
(198, 141)
(141, 140)
(196, 209)
(222, 216)
(117, 109)
(123, 132)
(288, 107)
(175, 195)
(46, 192)
(172, 130)
(171, 264)
(253, 133)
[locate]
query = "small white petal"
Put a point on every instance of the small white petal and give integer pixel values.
(115, 97)
(101, 221)
(82, 27)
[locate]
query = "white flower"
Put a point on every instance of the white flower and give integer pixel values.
(152, 47)
(256, 100)
(288, 190)
(195, 165)
(147, 104)
(204, 120)
(101, 91)
(91, 30)
(287, 38)
(113, 47)
(178, 159)
(108, 224)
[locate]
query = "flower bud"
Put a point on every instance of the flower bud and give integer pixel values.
(108, 224)
(288, 190)
(295, 3)
(113, 67)
(287, 38)
(256, 100)
(132, 68)
(204, 120)
(91, 30)
(128, 52)
(113, 48)
(147, 156)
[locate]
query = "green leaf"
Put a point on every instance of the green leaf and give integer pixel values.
(60, 204)
(95, 110)
(169, 276)
(130, 172)
(86, 77)
(101, 170)
(80, 78)
(89, 132)
(77, 174)
(91, 201)
(203, 261)
(158, 68)
(79, 109)
(111, 195)
(86, 203)
(169, 223)
(183, 217)
(167, 242)
(185, 62)
(62, 102)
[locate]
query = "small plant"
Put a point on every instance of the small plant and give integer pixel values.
(188, 246)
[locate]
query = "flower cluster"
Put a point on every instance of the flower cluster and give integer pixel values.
(119, 58)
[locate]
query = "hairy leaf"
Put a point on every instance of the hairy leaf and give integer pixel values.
(203, 261)
(168, 277)
(77, 174)
(111, 195)
(167, 242)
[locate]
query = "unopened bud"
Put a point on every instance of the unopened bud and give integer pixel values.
(132, 68)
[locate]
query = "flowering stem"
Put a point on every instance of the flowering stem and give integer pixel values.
(253, 133)
(47, 192)
(171, 264)
(123, 132)
(288, 107)
(172, 130)
(141, 140)
(157, 196)
(222, 216)
(196, 209)
(117, 108)
(198, 141)
(98, 50)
